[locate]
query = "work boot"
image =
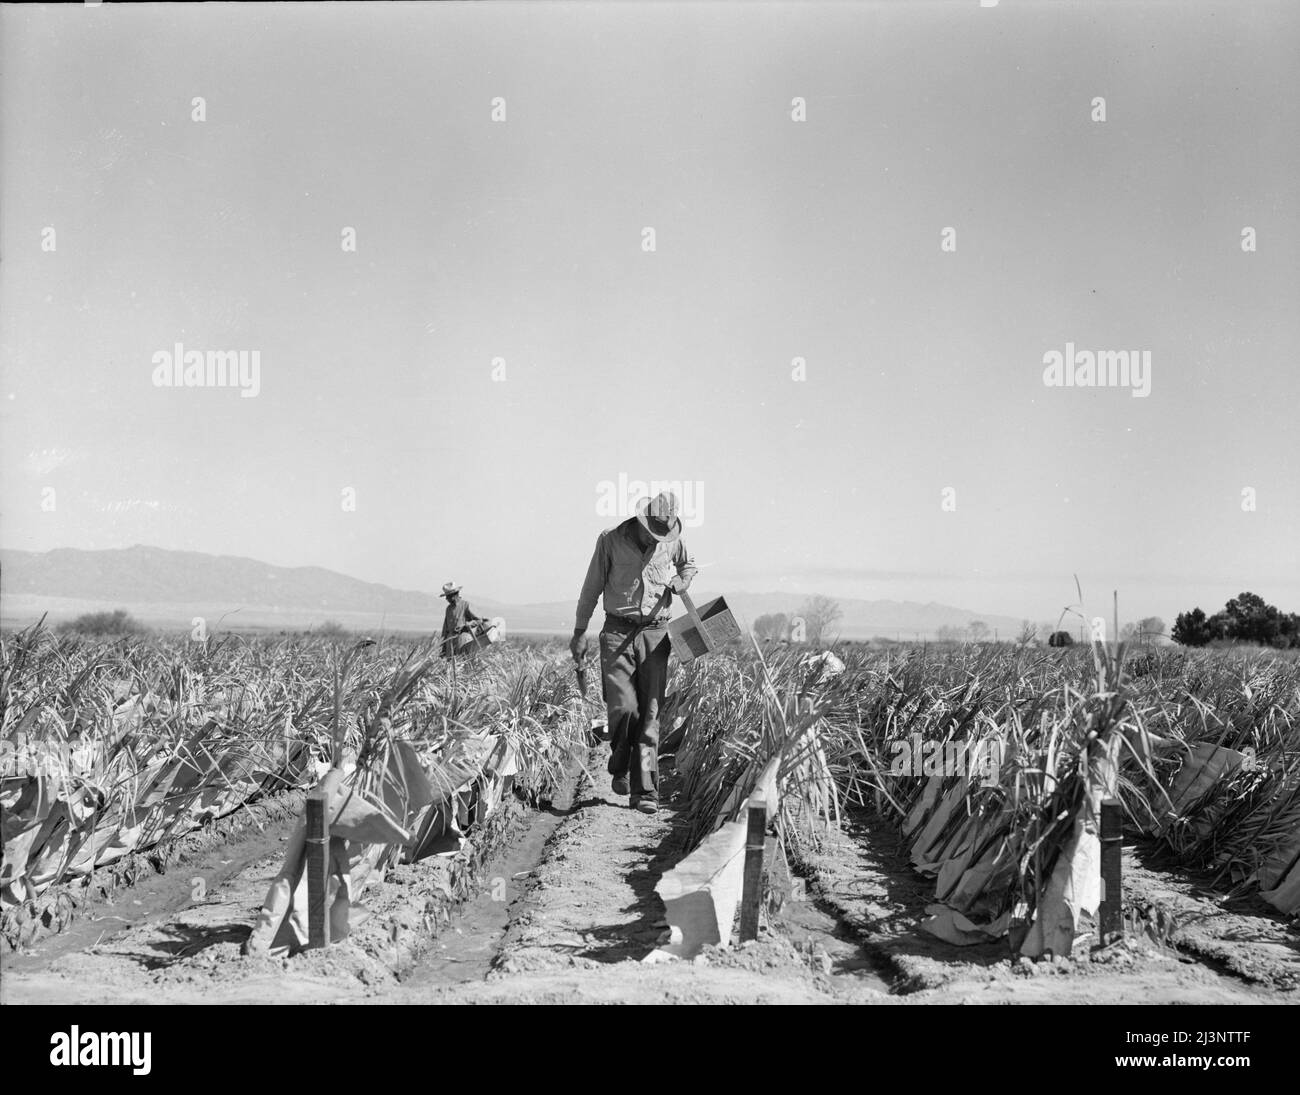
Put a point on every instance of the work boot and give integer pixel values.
(644, 804)
(620, 786)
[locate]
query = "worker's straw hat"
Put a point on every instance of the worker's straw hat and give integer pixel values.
(658, 516)
(449, 589)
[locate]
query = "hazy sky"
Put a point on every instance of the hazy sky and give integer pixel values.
(774, 239)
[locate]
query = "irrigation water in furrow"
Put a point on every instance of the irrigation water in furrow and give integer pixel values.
(586, 871)
(467, 946)
(829, 943)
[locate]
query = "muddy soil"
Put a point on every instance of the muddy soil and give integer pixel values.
(155, 881)
(158, 897)
(559, 907)
(466, 950)
(1244, 936)
(862, 878)
(191, 953)
(589, 915)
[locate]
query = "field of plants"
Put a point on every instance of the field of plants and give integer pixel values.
(1202, 748)
(114, 748)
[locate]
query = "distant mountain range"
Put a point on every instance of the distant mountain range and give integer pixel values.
(167, 588)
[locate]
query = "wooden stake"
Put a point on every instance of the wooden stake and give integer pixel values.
(1110, 921)
(752, 895)
(317, 852)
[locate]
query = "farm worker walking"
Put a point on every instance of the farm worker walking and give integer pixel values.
(637, 567)
(457, 619)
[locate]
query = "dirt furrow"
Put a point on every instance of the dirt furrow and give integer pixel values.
(558, 905)
(589, 914)
(861, 876)
(188, 950)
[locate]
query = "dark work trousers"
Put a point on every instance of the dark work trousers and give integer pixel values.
(634, 684)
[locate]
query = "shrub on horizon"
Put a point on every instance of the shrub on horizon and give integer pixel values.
(117, 622)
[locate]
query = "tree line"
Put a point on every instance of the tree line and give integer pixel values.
(1247, 618)
(811, 624)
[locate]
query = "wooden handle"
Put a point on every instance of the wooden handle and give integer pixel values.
(690, 605)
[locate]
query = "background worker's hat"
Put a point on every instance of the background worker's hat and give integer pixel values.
(449, 589)
(658, 516)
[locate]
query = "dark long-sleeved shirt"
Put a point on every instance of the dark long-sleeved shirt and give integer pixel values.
(631, 579)
(458, 613)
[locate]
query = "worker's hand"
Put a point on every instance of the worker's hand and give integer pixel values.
(578, 645)
(679, 585)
